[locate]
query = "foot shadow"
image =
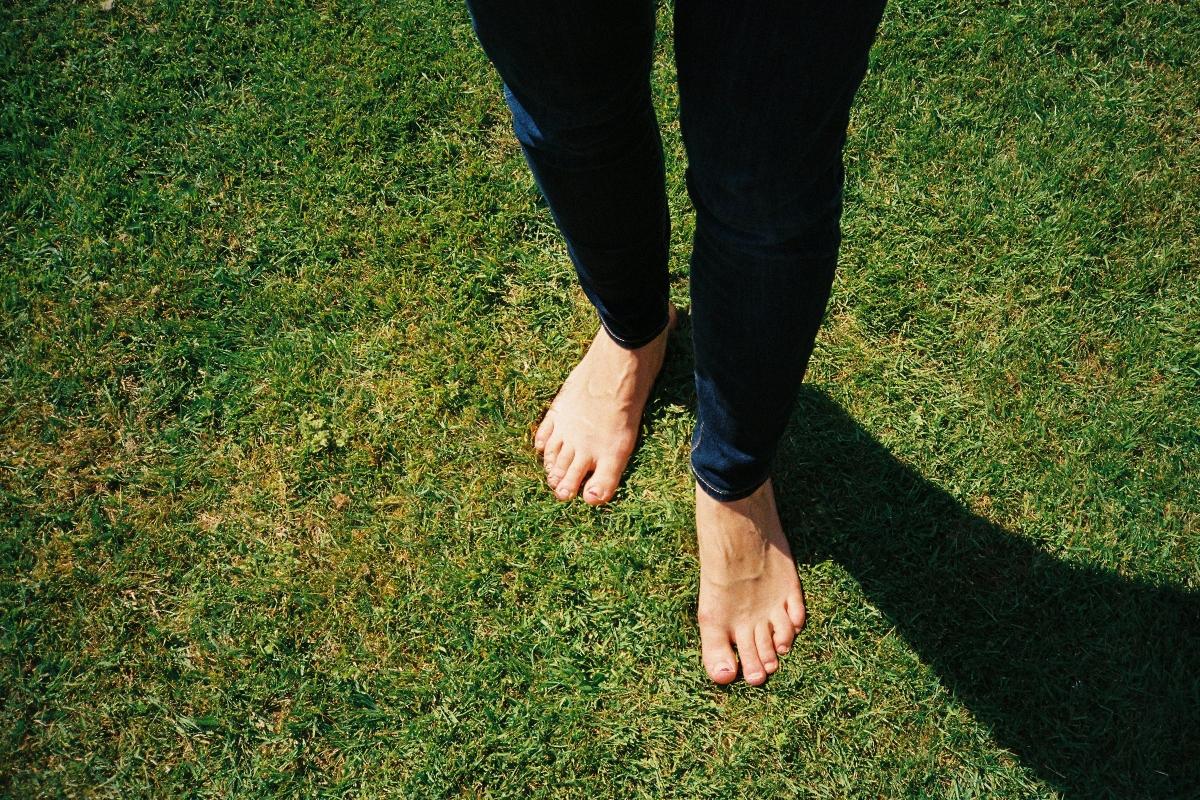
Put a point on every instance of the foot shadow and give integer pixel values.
(1091, 679)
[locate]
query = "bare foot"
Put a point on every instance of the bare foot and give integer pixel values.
(592, 425)
(750, 595)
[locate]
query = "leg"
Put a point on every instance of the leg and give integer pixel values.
(577, 79)
(765, 93)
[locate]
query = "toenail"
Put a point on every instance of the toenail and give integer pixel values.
(754, 676)
(723, 668)
(783, 651)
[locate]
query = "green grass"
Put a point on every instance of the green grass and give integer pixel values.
(279, 301)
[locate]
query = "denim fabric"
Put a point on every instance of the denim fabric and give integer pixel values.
(765, 88)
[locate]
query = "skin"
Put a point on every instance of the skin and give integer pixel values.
(751, 602)
(751, 599)
(591, 427)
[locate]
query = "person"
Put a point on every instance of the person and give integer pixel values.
(765, 90)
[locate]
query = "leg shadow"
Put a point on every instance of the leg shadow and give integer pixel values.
(1091, 679)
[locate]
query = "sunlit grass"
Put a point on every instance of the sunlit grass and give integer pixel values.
(279, 302)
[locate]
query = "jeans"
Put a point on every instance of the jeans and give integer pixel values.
(765, 88)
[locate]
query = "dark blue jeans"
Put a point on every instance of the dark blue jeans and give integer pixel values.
(765, 88)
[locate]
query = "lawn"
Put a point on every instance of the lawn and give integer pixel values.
(279, 303)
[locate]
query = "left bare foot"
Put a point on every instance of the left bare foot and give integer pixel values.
(750, 594)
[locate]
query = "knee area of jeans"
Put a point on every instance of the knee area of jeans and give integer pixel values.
(738, 215)
(593, 136)
(765, 244)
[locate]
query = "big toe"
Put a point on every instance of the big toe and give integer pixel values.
(717, 654)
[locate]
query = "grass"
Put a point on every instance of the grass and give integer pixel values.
(279, 302)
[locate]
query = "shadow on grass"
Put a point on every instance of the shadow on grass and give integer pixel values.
(1091, 679)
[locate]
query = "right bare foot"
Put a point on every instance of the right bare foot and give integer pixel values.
(750, 594)
(592, 425)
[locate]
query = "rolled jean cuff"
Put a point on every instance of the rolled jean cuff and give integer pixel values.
(725, 495)
(633, 344)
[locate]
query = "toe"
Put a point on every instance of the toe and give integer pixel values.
(568, 487)
(719, 661)
(795, 609)
(550, 454)
(543, 434)
(766, 647)
(784, 632)
(602, 485)
(560, 464)
(753, 670)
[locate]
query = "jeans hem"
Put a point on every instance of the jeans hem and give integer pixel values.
(723, 495)
(633, 344)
